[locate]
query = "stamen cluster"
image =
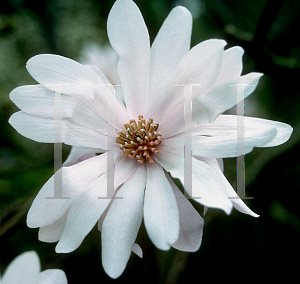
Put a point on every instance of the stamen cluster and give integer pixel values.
(139, 140)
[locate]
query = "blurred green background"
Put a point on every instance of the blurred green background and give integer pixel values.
(234, 247)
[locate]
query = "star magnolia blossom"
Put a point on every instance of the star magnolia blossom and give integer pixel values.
(26, 268)
(149, 137)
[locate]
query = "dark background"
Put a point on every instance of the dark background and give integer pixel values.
(234, 248)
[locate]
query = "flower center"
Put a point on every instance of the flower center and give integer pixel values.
(139, 140)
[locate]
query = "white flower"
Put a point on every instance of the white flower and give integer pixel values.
(26, 269)
(150, 79)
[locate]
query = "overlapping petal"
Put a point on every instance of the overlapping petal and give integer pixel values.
(232, 64)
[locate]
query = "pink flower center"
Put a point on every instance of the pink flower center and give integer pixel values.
(140, 140)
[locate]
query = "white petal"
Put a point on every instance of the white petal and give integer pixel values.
(160, 209)
(52, 276)
(170, 45)
(75, 179)
(224, 95)
(122, 222)
(24, 269)
(232, 64)
(208, 185)
(52, 233)
(137, 250)
(191, 223)
(232, 195)
(39, 101)
(63, 75)
(129, 37)
(43, 130)
(223, 132)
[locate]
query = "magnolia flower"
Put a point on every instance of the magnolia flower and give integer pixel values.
(149, 132)
(26, 269)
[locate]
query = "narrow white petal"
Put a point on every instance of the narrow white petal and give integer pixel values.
(24, 269)
(63, 75)
(122, 222)
(129, 37)
(232, 64)
(53, 276)
(191, 223)
(224, 95)
(160, 209)
(170, 45)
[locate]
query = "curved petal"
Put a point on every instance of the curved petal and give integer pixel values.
(129, 37)
(232, 64)
(232, 195)
(25, 268)
(46, 210)
(137, 250)
(161, 215)
(208, 184)
(53, 276)
(122, 222)
(39, 101)
(191, 223)
(43, 130)
(63, 75)
(52, 233)
(224, 95)
(170, 45)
